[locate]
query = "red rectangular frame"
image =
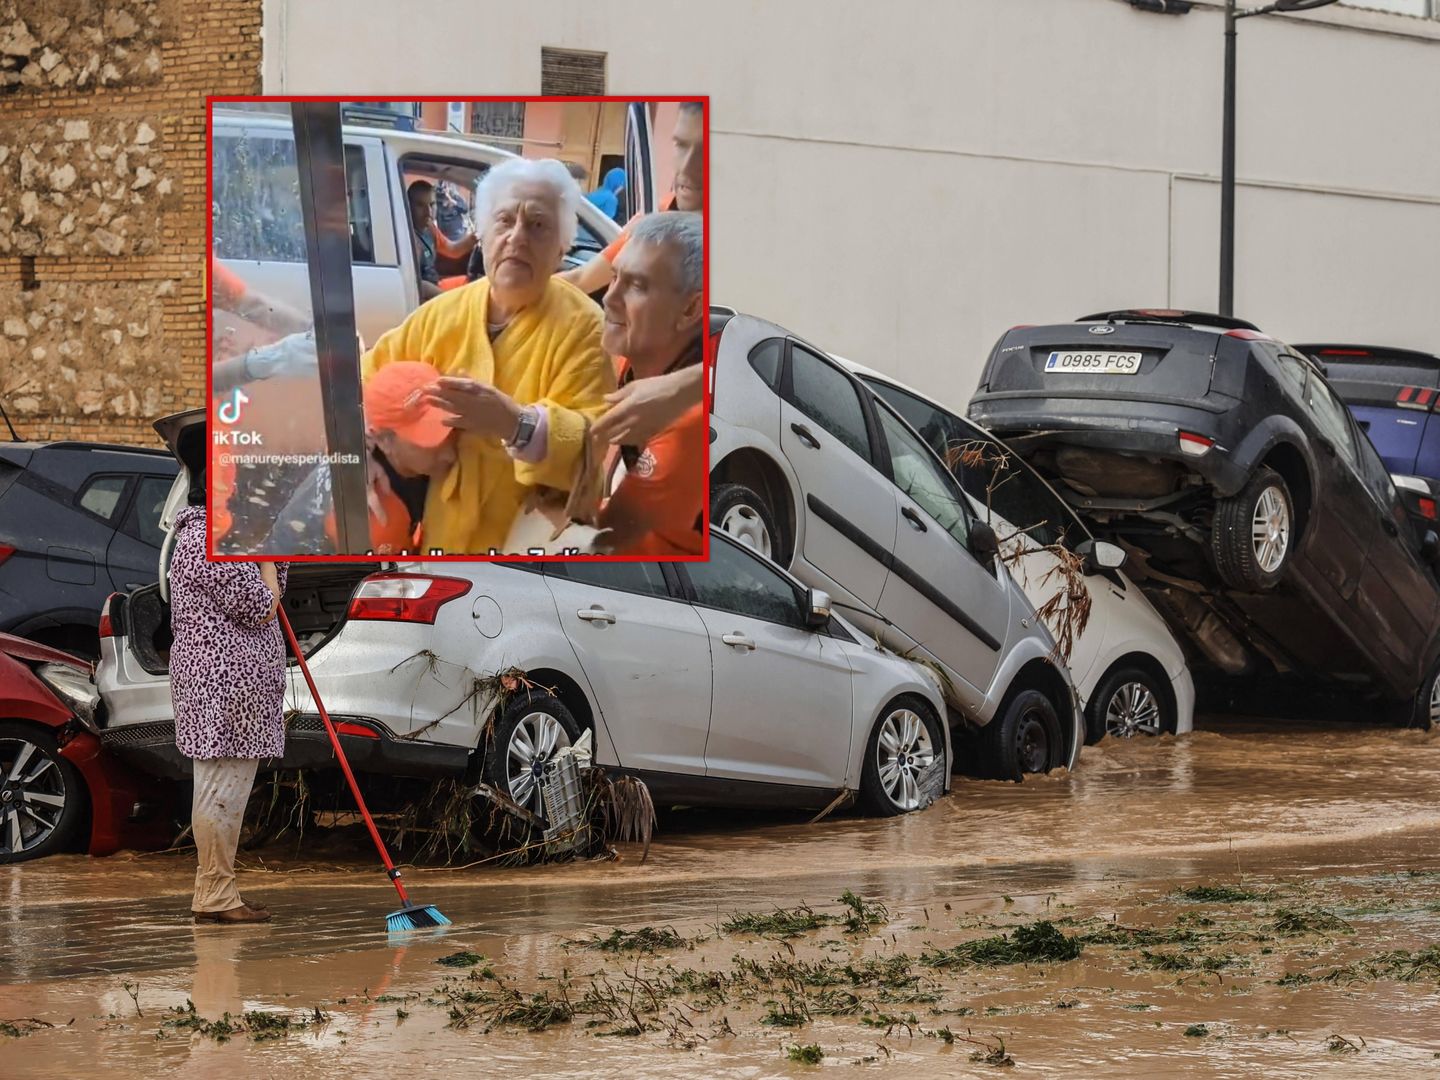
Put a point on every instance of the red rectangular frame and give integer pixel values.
(706, 360)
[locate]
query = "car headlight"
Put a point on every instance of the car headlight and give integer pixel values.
(75, 689)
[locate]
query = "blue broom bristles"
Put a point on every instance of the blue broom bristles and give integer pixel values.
(415, 917)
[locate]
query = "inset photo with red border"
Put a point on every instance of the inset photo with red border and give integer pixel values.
(457, 328)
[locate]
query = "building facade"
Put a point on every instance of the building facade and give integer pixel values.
(901, 183)
(102, 207)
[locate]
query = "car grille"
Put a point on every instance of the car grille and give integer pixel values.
(159, 733)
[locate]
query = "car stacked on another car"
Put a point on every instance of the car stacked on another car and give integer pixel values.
(813, 470)
(1128, 669)
(78, 520)
(1231, 468)
(1394, 395)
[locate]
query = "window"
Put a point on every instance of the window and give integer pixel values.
(257, 200)
(920, 477)
(357, 190)
(503, 121)
(1422, 8)
(634, 577)
(765, 359)
(1294, 369)
(571, 73)
(143, 520)
(1331, 418)
(101, 495)
(736, 581)
(823, 393)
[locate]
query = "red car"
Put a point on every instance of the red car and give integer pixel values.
(58, 789)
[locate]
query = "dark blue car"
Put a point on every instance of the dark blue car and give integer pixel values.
(1394, 395)
(78, 521)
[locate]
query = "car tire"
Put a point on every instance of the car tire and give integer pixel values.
(527, 731)
(739, 512)
(1245, 557)
(1024, 738)
(909, 729)
(43, 773)
(1129, 701)
(1424, 711)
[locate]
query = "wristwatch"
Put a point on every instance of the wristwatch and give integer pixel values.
(525, 429)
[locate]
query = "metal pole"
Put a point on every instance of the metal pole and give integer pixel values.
(320, 155)
(1227, 171)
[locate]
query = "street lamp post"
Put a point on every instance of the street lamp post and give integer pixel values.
(1227, 150)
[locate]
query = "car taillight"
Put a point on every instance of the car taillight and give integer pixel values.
(1344, 352)
(405, 597)
(1427, 508)
(1195, 445)
(6, 550)
(345, 727)
(1417, 397)
(1247, 335)
(107, 628)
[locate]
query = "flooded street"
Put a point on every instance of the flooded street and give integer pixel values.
(1253, 899)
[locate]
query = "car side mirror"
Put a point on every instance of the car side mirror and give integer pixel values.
(1430, 546)
(984, 544)
(817, 614)
(1100, 555)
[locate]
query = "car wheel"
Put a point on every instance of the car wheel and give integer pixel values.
(1129, 702)
(1253, 534)
(1424, 711)
(904, 742)
(1025, 738)
(41, 794)
(741, 513)
(531, 727)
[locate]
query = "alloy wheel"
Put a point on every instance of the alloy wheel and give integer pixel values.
(1435, 703)
(903, 751)
(1270, 529)
(745, 524)
(1133, 710)
(32, 795)
(533, 742)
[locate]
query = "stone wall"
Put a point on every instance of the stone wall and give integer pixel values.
(102, 206)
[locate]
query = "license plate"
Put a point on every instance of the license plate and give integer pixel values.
(1093, 363)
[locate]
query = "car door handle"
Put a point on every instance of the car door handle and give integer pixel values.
(740, 641)
(804, 433)
(914, 519)
(595, 614)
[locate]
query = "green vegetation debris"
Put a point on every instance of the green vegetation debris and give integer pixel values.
(806, 1055)
(1033, 944)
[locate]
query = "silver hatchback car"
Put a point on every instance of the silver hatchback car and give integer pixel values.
(723, 682)
(813, 470)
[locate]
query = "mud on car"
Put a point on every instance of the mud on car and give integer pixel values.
(1261, 521)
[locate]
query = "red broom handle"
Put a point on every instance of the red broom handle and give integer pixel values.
(340, 754)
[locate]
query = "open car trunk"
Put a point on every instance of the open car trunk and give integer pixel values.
(317, 596)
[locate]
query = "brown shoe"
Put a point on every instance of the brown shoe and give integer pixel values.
(254, 905)
(233, 916)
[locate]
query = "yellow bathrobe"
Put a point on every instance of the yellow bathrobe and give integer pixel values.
(549, 355)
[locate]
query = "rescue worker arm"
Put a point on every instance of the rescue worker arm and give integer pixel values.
(575, 394)
(667, 495)
(640, 411)
(592, 276)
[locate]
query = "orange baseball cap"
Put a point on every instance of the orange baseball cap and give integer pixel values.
(392, 403)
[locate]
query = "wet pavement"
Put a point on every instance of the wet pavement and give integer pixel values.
(1307, 817)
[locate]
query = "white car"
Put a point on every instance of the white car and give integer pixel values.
(722, 682)
(1128, 668)
(809, 467)
(260, 237)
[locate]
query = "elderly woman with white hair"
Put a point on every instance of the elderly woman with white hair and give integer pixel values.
(520, 355)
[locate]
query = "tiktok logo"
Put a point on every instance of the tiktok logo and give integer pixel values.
(229, 411)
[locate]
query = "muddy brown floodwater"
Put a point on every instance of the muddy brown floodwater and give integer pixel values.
(1251, 900)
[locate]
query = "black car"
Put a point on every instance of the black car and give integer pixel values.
(1260, 518)
(1394, 395)
(78, 521)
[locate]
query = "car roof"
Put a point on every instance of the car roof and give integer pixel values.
(28, 448)
(1341, 352)
(416, 141)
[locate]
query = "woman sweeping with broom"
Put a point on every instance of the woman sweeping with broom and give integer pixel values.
(227, 684)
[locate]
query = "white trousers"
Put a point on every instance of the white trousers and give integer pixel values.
(222, 789)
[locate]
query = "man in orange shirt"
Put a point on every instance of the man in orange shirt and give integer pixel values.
(416, 442)
(654, 322)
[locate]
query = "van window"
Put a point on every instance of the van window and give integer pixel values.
(101, 495)
(256, 191)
